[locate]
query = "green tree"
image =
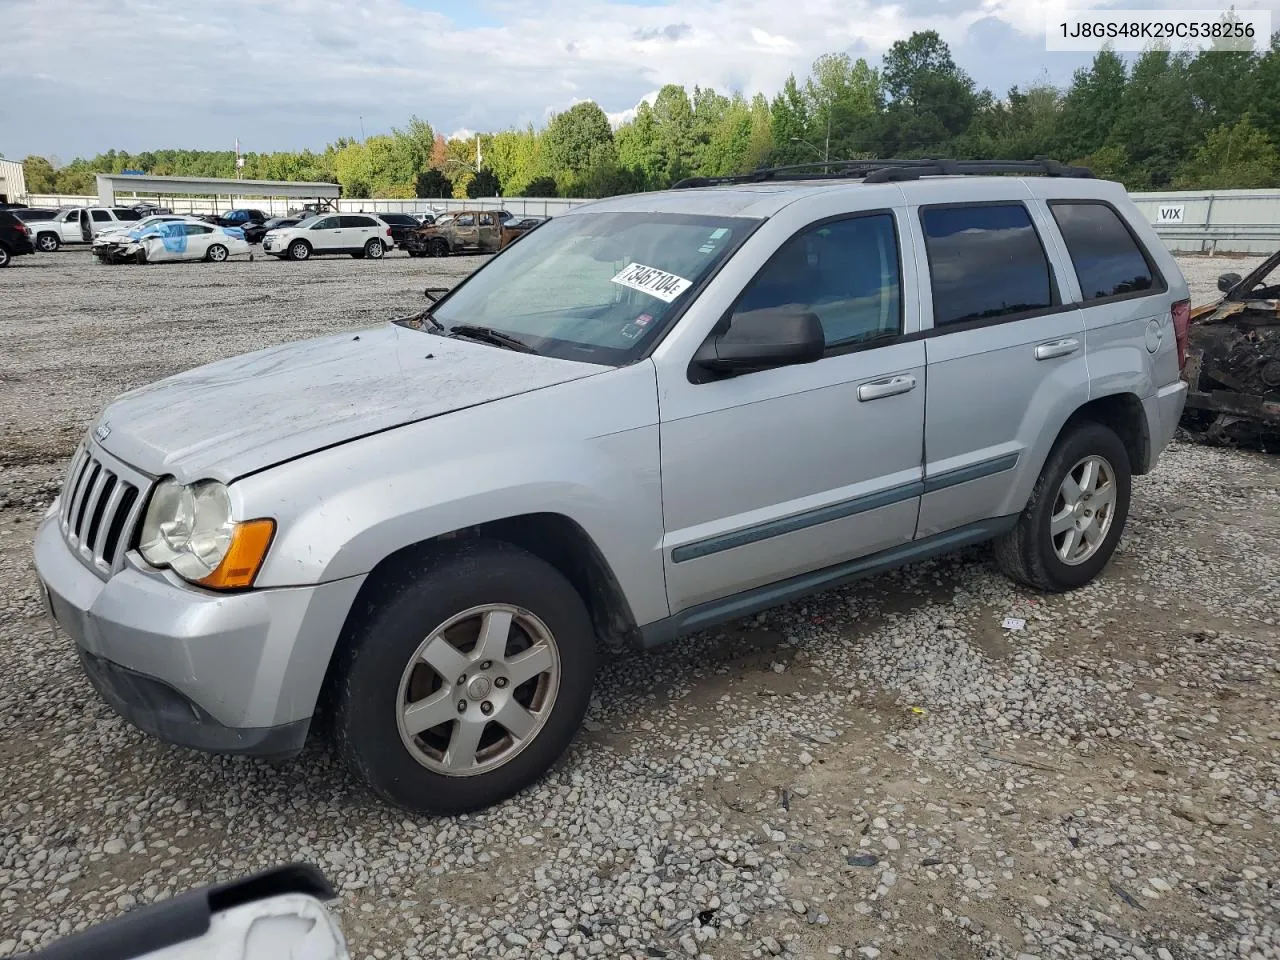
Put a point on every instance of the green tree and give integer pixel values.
(673, 114)
(931, 100)
(1238, 156)
(843, 99)
(640, 148)
(1111, 163)
(40, 175)
(541, 187)
(431, 184)
(1156, 122)
(790, 121)
(574, 137)
(484, 184)
(1090, 106)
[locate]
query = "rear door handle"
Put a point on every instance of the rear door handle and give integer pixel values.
(889, 387)
(1057, 348)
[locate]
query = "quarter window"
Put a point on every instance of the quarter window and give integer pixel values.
(844, 271)
(1107, 259)
(985, 262)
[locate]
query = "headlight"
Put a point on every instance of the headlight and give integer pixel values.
(189, 529)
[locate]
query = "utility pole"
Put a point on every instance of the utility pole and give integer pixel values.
(477, 154)
(362, 128)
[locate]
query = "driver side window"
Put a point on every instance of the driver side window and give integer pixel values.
(328, 223)
(846, 272)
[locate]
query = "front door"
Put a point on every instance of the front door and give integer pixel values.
(327, 234)
(777, 473)
(1006, 357)
(487, 239)
(466, 235)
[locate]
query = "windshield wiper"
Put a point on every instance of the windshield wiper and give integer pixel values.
(490, 335)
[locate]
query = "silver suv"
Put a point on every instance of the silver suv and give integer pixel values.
(653, 414)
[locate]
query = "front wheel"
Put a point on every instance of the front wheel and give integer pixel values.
(374, 249)
(1070, 527)
(439, 247)
(465, 679)
(217, 253)
(48, 242)
(299, 250)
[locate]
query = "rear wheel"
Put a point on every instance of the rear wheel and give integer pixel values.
(374, 249)
(1070, 527)
(217, 253)
(48, 242)
(299, 250)
(465, 680)
(4, 256)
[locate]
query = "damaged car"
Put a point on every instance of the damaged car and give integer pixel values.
(1233, 362)
(174, 240)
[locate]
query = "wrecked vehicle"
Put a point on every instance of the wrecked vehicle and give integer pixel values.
(1233, 362)
(173, 240)
(515, 228)
(472, 231)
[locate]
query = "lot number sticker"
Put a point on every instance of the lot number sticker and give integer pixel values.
(657, 283)
(1170, 214)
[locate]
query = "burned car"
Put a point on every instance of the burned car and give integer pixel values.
(515, 228)
(1233, 362)
(471, 231)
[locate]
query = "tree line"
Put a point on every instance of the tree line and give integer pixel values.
(1205, 121)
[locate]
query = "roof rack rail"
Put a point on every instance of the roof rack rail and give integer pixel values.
(889, 171)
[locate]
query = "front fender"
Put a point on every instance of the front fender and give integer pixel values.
(341, 511)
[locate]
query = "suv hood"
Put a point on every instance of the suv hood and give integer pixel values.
(238, 416)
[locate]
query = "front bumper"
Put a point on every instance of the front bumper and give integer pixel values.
(230, 673)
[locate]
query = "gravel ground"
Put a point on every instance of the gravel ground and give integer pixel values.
(882, 771)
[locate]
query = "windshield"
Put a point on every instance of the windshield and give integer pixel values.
(594, 286)
(307, 221)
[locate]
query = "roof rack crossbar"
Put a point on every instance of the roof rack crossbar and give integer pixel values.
(890, 170)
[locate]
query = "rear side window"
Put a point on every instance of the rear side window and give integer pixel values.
(126, 214)
(1108, 261)
(985, 262)
(100, 216)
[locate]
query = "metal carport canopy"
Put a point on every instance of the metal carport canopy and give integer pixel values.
(110, 183)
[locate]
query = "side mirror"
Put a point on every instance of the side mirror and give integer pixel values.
(1228, 281)
(435, 293)
(760, 339)
(265, 917)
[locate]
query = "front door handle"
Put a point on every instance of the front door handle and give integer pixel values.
(1057, 348)
(889, 387)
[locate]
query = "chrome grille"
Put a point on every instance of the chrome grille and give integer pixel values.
(100, 504)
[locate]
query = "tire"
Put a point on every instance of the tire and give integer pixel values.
(48, 242)
(299, 250)
(5, 257)
(374, 249)
(373, 679)
(1031, 552)
(439, 247)
(217, 253)
(140, 258)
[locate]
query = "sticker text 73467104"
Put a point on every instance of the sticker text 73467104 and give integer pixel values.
(657, 283)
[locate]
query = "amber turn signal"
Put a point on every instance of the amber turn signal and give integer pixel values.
(249, 543)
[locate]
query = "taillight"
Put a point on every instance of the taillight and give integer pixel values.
(388, 231)
(1181, 326)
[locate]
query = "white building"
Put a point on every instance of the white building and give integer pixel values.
(13, 185)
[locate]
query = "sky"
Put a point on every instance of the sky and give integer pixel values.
(82, 76)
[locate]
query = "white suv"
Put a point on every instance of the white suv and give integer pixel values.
(358, 234)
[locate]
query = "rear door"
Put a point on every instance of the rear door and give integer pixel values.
(1005, 348)
(488, 234)
(199, 238)
(358, 231)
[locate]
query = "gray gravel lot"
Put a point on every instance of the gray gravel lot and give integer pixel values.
(882, 771)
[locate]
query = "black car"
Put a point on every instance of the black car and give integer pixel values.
(401, 224)
(15, 238)
(254, 232)
(34, 213)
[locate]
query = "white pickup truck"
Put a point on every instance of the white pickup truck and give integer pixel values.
(79, 225)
